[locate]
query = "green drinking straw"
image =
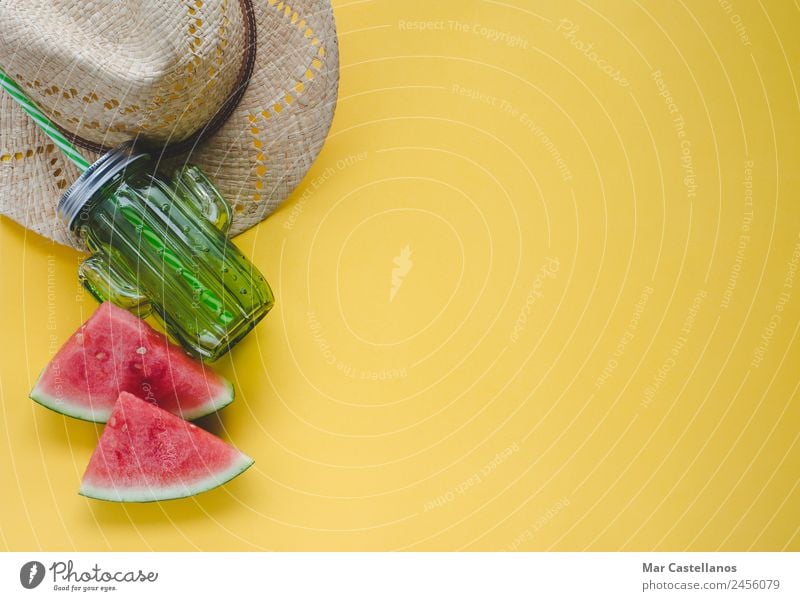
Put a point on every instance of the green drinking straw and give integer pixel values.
(10, 86)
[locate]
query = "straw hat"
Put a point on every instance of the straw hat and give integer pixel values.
(174, 73)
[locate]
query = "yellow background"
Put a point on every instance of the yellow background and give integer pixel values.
(580, 354)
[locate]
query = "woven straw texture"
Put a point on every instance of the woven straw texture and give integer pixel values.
(114, 71)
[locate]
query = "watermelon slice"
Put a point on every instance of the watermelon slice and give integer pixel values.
(115, 351)
(147, 454)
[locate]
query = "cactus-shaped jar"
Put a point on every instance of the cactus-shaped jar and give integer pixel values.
(159, 243)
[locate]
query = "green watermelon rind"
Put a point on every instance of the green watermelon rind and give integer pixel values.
(152, 494)
(65, 407)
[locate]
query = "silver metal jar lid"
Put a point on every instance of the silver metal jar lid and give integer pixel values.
(94, 178)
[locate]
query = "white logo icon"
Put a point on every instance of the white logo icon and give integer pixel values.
(403, 264)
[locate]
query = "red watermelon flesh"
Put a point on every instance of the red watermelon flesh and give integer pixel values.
(147, 454)
(115, 351)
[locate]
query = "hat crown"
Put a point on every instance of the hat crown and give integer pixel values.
(111, 71)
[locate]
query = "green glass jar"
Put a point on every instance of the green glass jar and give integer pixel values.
(159, 243)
